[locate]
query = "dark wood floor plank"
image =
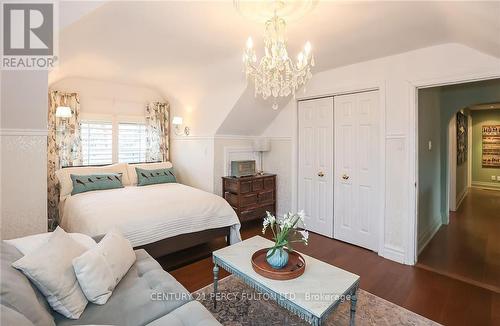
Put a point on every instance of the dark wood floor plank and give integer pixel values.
(468, 248)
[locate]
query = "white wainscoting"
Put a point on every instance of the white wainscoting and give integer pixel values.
(23, 180)
(278, 161)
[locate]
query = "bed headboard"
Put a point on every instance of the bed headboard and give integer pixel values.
(101, 165)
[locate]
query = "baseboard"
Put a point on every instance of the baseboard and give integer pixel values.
(392, 254)
(426, 237)
(462, 196)
(486, 185)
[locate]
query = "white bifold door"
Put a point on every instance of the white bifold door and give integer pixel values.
(357, 166)
(315, 169)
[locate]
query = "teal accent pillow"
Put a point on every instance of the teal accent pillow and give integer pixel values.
(151, 177)
(91, 182)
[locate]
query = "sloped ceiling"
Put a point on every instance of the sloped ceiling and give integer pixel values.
(191, 51)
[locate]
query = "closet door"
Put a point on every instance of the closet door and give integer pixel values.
(315, 175)
(357, 157)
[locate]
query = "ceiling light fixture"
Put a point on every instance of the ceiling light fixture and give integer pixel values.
(276, 74)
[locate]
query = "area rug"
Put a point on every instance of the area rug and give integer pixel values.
(241, 305)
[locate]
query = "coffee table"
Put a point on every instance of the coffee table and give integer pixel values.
(313, 296)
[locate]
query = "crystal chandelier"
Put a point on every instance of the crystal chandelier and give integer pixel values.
(276, 74)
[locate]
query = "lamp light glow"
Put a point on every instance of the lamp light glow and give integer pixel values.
(177, 121)
(63, 112)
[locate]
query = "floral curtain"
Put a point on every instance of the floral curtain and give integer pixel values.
(157, 131)
(63, 145)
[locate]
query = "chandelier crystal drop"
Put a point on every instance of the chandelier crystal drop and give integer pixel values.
(276, 74)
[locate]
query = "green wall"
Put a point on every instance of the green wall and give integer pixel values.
(482, 176)
(436, 107)
(429, 163)
(454, 98)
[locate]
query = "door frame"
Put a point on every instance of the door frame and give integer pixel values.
(379, 86)
(414, 86)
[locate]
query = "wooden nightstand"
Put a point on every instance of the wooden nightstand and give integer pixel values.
(251, 196)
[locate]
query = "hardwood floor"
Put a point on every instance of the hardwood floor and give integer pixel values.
(437, 297)
(468, 248)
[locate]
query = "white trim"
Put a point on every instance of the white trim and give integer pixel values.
(237, 137)
(411, 255)
(427, 236)
(485, 185)
(393, 253)
(462, 197)
(230, 137)
(23, 132)
(190, 138)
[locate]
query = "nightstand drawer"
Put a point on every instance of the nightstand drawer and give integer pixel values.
(269, 183)
(251, 214)
(245, 186)
(232, 199)
(266, 196)
(257, 185)
(249, 200)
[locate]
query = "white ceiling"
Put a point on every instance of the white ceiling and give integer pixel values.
(190, 51)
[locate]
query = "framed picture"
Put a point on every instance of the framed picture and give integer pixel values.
(461, 138)
(491, 146)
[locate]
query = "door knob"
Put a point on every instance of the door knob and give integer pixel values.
(345, 177)
(321, 174)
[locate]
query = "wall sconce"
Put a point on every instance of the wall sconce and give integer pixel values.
(63, 112)
(177, 122)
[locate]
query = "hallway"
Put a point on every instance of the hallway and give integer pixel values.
(468, 249)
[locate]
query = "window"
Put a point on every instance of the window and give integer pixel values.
(131, 142)
(97, 142)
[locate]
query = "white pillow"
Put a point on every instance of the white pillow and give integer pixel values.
(50, 268)
(64, 175)
(101, 268)
(132, 174)
(27, 245)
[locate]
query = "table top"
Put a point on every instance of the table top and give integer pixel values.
(316, 291)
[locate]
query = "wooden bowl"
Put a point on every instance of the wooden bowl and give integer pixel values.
(294, 268)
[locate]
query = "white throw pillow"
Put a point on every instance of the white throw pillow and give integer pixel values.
(101, 268)
(50, 268)
(28, 244)
(132, 174)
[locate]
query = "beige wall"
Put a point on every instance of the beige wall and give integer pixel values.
(108, 98)
(23, 138)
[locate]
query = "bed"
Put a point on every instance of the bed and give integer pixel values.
(161, 218)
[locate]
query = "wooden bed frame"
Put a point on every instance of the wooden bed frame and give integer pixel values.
(184, 241)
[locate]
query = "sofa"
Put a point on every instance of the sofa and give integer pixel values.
(146, 295)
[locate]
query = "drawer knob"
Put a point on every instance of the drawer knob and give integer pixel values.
(321, 174)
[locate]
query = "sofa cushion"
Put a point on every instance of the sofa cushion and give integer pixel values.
(101, 268)
(191, 314)
(50, 268)
(9, 316)
(18, 293)
(144, 294)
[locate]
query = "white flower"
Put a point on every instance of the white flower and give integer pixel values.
(305, 235)
(302, 215)
(268, 220)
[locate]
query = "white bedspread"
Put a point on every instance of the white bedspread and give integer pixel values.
(149, 213)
